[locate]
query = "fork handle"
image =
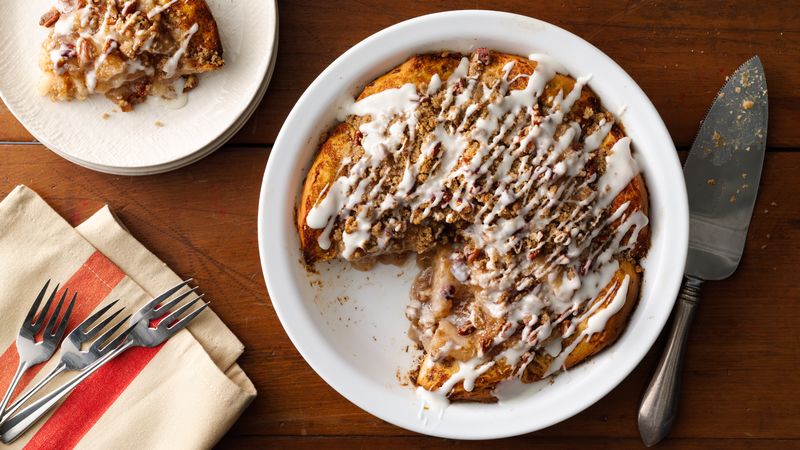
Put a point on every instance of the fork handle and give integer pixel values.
(21, 368)
(23, 420)
(57, 370)
(660, 403)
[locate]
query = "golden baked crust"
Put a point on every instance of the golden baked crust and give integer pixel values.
(204, 52)
(127, 49)
(455, 321)
(342, 142)
(325, 167)
(433, 374)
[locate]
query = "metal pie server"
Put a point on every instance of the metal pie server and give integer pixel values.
(722, 176)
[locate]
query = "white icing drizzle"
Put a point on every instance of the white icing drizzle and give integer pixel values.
(467, 373)
(91, 76)
(159, 9)
(595, 324)
(180, 99)
(130, 20)
(64, 25)
(521, 173)
(620, 170)
(434, 85)
(172, 63)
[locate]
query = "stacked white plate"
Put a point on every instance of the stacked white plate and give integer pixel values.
(153, 138)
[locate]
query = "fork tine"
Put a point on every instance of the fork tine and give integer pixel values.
(166, 307)
(99, 327)
(97, 345)
(62, 327)
(175, 315)
(51, 324)
(179, 325)
(39, 322)
(84, 326)
(119, 339)
(147, 310)
(36, 303)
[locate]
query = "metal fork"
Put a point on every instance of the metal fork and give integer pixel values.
(31, 352)
(72, 357)
(138, 334)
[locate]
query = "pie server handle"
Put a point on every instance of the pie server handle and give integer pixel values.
(660, 402)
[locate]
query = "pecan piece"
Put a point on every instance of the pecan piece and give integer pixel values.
(142, 87)
(112, 12)
(459, 87)
(466, 329)
(190, 83)
(584, 268)
(129, 7)
(68, 51)
(483, 55)
(110, 45)
(473, 255)
(448, 292)
(85, 52)
(446, 196)
(50, 18)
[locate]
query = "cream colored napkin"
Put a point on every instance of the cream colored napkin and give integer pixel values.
(184, 394)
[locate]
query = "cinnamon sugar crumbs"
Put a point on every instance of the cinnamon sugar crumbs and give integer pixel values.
(717, 139)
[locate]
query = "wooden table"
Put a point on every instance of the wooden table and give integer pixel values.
(742, 379)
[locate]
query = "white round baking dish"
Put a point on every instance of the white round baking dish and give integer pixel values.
(350, 326)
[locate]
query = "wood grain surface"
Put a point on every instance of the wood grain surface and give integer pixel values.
(743, 361)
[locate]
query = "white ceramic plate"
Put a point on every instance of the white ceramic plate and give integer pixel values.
(132, 143)
(350, 325)
(202, 153)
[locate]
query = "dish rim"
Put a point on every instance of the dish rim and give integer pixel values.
(309, 341)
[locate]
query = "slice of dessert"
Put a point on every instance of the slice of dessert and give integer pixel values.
(127, 50)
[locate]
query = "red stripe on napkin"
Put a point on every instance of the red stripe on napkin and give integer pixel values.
(93, 281)
(90, 400)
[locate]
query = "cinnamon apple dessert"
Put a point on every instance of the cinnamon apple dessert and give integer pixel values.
(520, 190)
(127, 49)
